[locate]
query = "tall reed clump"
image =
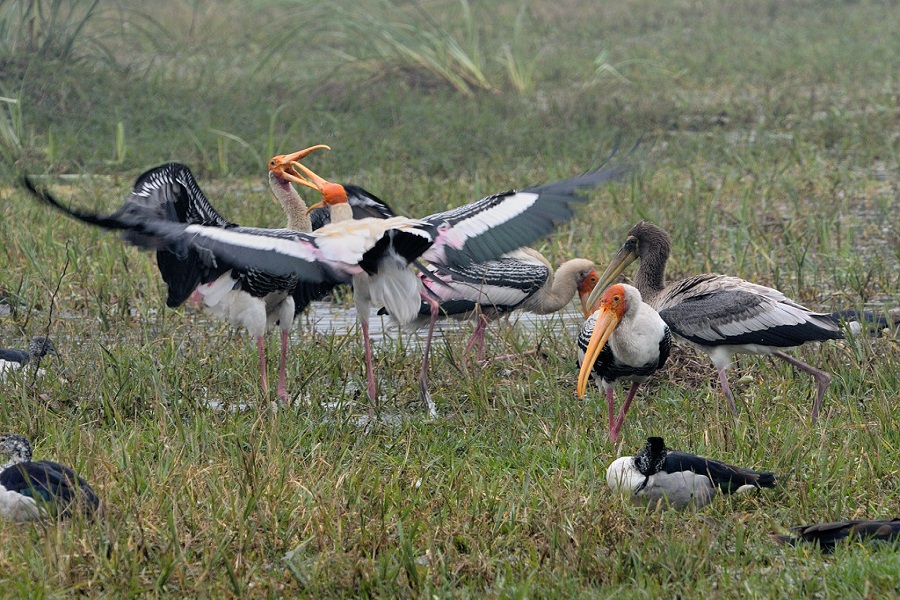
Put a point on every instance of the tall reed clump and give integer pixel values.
(47, 27)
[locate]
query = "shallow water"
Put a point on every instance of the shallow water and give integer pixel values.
(331, 319)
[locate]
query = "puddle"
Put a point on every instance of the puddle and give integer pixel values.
(331, 319)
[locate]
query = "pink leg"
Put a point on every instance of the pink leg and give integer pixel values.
(282, 375)
(614, 435)
(726, 389)
(370, 369)
(423, 376)
(611, 411)
(478, 336)
(261, 347)
(822, 381)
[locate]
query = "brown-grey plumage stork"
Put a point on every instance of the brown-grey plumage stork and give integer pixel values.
(623, 339)
(381, 248)
(719, 314)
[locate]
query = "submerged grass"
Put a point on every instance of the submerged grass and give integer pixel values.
(769, 154)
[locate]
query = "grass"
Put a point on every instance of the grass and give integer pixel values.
(770, 153)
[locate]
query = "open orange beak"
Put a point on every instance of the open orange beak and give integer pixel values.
(284, 165)
(606, 323)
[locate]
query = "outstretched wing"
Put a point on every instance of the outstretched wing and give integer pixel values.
(501, 223)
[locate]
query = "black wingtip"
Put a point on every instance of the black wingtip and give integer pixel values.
(44, 196)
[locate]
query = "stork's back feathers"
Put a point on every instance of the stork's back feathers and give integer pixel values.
(712, 310)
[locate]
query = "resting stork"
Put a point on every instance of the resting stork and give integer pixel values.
(828, 535)
(383, 249)
(678, 479)
(32, 490)
(13, 360)
(624, 339)
(719, 314)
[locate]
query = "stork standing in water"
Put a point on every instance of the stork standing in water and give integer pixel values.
(338, 207)
(719, 314)
(383, 249)
(624, 339)
(519, 280)
(679, 479)
(31, 489)
(522, 280)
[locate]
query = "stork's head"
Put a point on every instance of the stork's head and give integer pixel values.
(612, 308)
(284, 165)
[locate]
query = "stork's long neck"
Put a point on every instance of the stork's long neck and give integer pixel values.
(651, 276)
(340, 212)
(297, 218)
(560, 287)
(293, 205)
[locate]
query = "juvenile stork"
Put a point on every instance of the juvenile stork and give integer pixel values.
(664, 477)
(624, 339)
(32, 490)
(719, 314)
(383, 249)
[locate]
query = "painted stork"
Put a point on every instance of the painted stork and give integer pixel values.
(245, 298)
(522, 279)
(828, 535)
(624, 339)
(32, 490)
(381, 248)
(363, 204)
(718, 314)
(665, 477)
(13, 360)
(338, 207)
